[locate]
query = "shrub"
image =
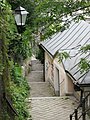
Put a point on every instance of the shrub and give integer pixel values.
(19, 91)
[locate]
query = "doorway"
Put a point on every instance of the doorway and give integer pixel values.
(57, 83)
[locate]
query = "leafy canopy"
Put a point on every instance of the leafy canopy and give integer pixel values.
(53, 16)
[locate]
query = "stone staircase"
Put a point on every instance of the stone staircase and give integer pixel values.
(39, 88)
(42, 102)
(36, 65)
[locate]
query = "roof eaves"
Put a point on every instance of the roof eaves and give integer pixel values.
(70, 75)
(84, 85)
(74, 80)
(52, 56)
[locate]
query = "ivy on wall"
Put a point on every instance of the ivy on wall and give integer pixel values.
(12, 85)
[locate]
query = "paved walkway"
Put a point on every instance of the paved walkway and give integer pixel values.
(43, 104)
(51, 108)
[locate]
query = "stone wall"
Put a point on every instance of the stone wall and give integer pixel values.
(26, 67)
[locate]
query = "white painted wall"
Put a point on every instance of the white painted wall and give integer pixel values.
(62, 78)
(56, 75)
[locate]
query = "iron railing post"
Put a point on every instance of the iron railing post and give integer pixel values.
(70, 117)
(76, 115)
(83, 112)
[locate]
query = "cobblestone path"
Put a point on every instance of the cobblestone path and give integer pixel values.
(43, 104)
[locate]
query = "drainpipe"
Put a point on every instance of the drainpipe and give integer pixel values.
(81, 97)
(44, 67)
(78, 88)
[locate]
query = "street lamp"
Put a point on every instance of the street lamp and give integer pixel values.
(20, 15)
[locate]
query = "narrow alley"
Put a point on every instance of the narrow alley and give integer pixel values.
(43, 104)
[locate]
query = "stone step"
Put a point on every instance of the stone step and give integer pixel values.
(35, 76)
(61, 98)
(35, 62)
(41, 89)
(37, 67)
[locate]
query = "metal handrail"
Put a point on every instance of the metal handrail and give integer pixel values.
(10, 105)
(84, 111)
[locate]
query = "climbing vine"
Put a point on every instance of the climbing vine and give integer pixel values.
(13, 86)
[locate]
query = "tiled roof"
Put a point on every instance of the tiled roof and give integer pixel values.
(70, 40)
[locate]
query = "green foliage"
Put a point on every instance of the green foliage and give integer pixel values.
(19, 90)
(18, 46)
(1, 69)
(26, 44)
(63, 55)
(40, 54)
(11, 47)
(84, 62)
(84, 65)
(1, 64)
(7, 24)
(16, 74)
(18, 96)
(85, 48)
(8, 28)
(50, 14)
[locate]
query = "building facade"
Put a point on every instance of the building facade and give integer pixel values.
(65, 76)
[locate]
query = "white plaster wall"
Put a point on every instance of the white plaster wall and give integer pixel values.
(62, 78)
(49, 69)
(62, 86)
(70, 85)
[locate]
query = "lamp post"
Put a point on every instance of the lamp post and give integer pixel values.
(20, 15)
